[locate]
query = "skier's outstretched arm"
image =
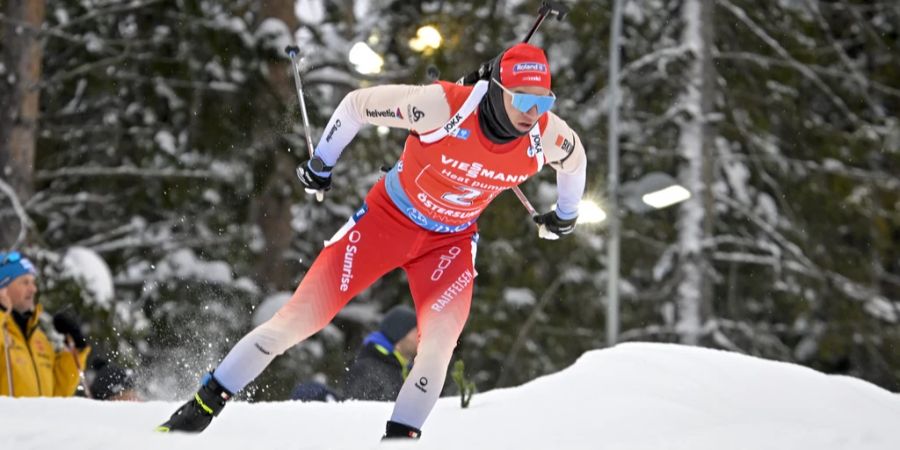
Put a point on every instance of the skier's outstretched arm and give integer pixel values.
(417, 108)
(564, 153)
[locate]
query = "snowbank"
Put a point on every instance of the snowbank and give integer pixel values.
(633, 396)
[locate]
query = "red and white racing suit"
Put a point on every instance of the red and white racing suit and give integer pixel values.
(420, 217)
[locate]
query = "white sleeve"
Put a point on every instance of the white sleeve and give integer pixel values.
(565, 154)
(340, 130)
(417, 108)
(570, 189)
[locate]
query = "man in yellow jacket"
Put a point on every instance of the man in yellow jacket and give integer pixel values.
(29, 365)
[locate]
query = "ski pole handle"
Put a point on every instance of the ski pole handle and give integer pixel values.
(548, 7)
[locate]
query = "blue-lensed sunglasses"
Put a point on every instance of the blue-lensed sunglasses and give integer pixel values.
(524, 102)
(10, 257)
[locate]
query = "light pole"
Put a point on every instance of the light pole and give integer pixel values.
(653, 191)
(612, 289)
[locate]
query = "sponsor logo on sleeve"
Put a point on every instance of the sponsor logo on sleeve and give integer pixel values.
(337, 124)
(392, 113)
(565, 144)
(414, 114)
(262, 349)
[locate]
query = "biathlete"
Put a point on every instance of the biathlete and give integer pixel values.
(467, 145)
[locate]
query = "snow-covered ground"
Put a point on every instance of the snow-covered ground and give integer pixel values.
(633, 396)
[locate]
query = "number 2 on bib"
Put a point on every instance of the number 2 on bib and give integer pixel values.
(464, 198)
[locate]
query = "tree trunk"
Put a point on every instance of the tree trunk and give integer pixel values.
(272, 209)
(19, 94)
(694, 291)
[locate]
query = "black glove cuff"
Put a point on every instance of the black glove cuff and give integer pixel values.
(317, 164)
(556, 224)
(312, 181)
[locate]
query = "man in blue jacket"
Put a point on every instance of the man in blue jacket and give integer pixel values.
(384, 360)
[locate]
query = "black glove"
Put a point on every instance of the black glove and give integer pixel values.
(552, 223)
(67, 325)
(312, 182)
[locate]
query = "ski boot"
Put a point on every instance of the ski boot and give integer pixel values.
(396, 430)
(195, 415)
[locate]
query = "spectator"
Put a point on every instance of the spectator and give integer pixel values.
(113, 383)
(384, 360)
(30, 366)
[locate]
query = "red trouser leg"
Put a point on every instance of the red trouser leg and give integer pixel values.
(361, 252)
(441, 280)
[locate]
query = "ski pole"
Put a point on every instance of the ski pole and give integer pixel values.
(293, 52)
(527, 204)
(548, 7)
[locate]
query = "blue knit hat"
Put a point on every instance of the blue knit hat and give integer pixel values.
(13, 265)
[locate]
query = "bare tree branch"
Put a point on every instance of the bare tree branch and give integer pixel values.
(853, 71)
(881, 179)
(802, 68)
(124, 7)
(766, 61)
(25, 222)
